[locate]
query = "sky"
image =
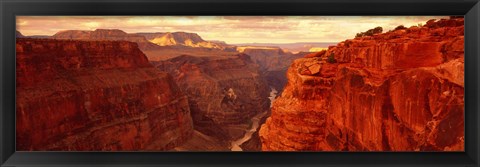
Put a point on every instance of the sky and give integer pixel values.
(231, 29)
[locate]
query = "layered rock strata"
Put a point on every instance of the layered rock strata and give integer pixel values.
(95, 96)
(106, 34)
(224, 92)
(398, 91)
(184, 39)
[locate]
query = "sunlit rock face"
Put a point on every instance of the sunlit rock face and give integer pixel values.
(184, 39)
(106, 34)
(95, 96)
(222, 91)
(317, 49)
(397, 91)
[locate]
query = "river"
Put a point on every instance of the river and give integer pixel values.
(255, 124)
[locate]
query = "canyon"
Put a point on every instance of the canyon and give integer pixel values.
(273, 62)
(224, 92)
(95, 96)
(402, 90)
(109, 90)
(227, 89)
(219, 115)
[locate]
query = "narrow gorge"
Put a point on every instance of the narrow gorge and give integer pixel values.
(225, 92)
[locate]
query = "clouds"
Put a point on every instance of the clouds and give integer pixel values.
(232, 29)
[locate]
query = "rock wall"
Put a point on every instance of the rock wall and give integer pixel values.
(95, 96)
(398, 91)
(222, 91)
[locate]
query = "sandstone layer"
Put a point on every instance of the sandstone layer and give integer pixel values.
(184, 39)
(106, 34)
(224, 92)
(398, 91)
(95, 96)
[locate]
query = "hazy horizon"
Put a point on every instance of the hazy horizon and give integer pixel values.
(230, 29)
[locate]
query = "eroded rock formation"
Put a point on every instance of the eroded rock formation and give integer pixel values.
(106, 34)
(224, 91)
(184, 39)
(398, 91)
(94, 96)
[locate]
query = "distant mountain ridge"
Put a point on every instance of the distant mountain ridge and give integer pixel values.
(292, 47)
(183, 39)
(151, 40)
(106, 34)
(164, 45)
(18, 34)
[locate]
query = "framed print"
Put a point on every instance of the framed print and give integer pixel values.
(123, 83)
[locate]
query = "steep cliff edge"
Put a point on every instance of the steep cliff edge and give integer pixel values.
(224, 92)
(398, 91)
(94, 96)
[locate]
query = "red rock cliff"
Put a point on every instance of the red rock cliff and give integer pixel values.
(398, 91)
(95, 95)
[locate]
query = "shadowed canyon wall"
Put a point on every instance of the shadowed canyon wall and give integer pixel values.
(398, 91)
(273, 62)
(95, 95)
(224, 92)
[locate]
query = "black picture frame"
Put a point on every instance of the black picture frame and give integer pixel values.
(11, 8)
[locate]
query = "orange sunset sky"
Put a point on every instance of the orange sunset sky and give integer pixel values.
(231, 29)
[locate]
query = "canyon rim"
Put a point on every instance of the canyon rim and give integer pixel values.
(240, 83)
